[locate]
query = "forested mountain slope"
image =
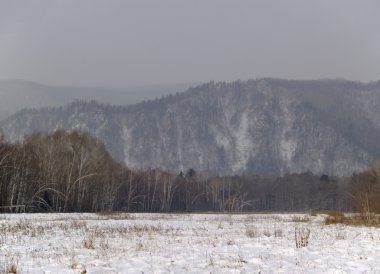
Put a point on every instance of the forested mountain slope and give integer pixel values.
(264, 126)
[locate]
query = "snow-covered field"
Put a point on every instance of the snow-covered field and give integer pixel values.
(184, 243)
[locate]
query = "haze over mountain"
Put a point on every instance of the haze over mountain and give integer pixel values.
(18, 94)
(264, 126)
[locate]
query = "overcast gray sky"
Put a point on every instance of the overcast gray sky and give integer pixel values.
(92, 42)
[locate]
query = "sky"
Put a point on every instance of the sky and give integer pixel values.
(122, 42)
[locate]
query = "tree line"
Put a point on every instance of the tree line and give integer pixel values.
(72, 172)
(364, 189)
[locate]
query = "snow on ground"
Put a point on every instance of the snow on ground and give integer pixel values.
(184, 243)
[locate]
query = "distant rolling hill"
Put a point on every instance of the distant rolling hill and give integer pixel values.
(18, 94)
(263, 126)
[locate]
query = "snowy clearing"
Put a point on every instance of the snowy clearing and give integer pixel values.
(184, 243)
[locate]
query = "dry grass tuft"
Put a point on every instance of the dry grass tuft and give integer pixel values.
(278, 233)
(88, 244)
(11, 269)
(77, 225)
(230, 242)
(73, 261)
(267, 232)
(252, 232)
(112, 215)
(301, 219)
(9, 266)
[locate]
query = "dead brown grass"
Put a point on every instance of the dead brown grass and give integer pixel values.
(369, 219)
(335, 217)
(11, 269)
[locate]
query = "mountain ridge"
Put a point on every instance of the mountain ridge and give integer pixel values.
(19, 94)
(263, 126)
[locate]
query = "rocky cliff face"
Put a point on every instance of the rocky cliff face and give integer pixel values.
(264, 126)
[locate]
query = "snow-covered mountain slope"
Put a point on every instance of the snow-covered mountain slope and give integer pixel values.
(263, 126)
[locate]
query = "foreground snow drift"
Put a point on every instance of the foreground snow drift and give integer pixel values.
(184, 243)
